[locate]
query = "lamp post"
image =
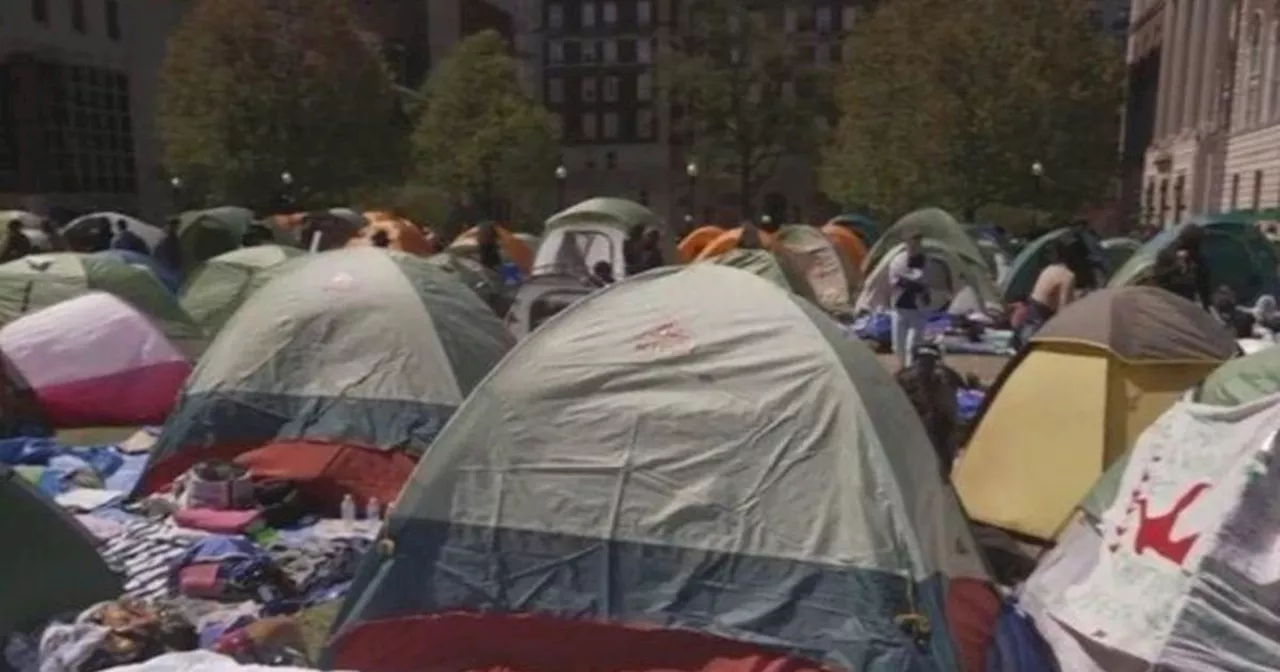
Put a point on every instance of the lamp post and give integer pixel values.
(175, 189)
(562, 175)
(1037, 175)
(286, 191)
(691, 172)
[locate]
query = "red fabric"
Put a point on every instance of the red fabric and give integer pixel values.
(535, 643)
(972, 608)
(135, 397)
(324, 471)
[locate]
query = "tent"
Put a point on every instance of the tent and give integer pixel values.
(530, 240)
(694, 242)
(95, 361)
(39, 281)
(1242, 380)
(485, 282)
(732, 239)
(542, 297)
(50, 565)
(220, 285)
(863, 226)
(20, 414)
(1237, 253)
(853, 249)
(967, 287)
(596, 230)
(996, 258)
(820, 264)
(689, 470)
(401, 235)
(1073, 401)
(766, 265)
(205, 234)
(1179, 572)
(1117, 251)
(32, 228)
(338, 372)
(513, 249)
(322, 230)
(87, 226)
(167, 276)
(1025, 269)
(936, 225)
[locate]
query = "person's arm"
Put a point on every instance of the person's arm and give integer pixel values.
(901, 275)
(1067, 292)
(1203, 288)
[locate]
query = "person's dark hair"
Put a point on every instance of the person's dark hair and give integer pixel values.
(1190, 239)
(603, 271)
(15, 225)
(380, 238)
(122, 225)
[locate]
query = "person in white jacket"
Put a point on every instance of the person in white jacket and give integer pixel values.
(909, 300)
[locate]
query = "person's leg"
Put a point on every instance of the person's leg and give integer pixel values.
(898, 337)
(914, 331)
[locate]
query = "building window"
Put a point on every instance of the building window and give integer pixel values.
(555, 16)
(1149, 203)
(587, 125)
(588, 15)
(789, 19)
(610, 158)
(588, 90)
(1257, 190)
(555, 90)
(1253, 96)
(555, 52)
(644, 86)
(610, 52)
(40, 11)
(848, 16)
(610, 13)
(644, 12)
(78, 22)
(112, 11)
(1235, 191)
(1164, 199)
(1275, 65)
(823, 19)
(98, 156)
(610, 126)
(644, 124)
(644, 51)
(611, 89)
(1179, 198)
(591, 52)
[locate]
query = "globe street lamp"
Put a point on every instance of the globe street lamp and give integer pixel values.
(1037, 176)
(691, 171)
(562, 175)
(286, 191)
(175, 189)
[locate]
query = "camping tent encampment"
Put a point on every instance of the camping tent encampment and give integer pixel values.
(50, 565)
(1237, 254)
(688, 470)
(1025, 268)
(1118, 251)
(485, 282)
(205, 234)
(817, 260)
(338, 372)
(95, 361)
(86, 227)
(961, 285)
(934, 224)
(1077, 398)
(222, 284)
(766, 265)
(542, 297)
(42, 280)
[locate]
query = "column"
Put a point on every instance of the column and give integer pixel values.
(1182, 41)
(1164, 88)
(1196, 57)
(1211, 71)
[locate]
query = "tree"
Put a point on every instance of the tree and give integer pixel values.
(482, 138)
(745, 95)
(255, 88)
(954, 112)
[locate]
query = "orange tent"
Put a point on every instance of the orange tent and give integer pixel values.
(729, 240)
(849, 243)
(513, 248)
(403, 234)
(698, 239)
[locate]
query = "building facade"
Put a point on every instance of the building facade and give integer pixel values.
(1184, 166)
(594, 64)
(1251, 175)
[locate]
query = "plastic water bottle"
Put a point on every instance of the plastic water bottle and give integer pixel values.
(348, 508)
(373, 509)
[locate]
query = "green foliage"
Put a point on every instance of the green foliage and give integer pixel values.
(479, 136)
(748, 99)
(253, 88)
(953, 112)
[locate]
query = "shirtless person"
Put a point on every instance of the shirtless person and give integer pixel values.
(1055, 288)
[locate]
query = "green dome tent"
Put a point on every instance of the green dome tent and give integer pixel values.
(50, 564)
(936, 225)
(765, 265)
(42, 280)
(205, 234)
(1236, 252)
(483, 281)
(1118, 251)
(219, 286)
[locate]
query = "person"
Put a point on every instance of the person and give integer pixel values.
(932, 388)
(256, 235)
(1226, 310)
(57, 242)
(909, 298)
(487, 249)
(651, 250)
(750, 238)
(632, 249)
(1180, 268)
(380, 238)
(169, 252)
(603, 273)
(1055, 288)
(1267, 315)
(104, 237)
(17, 245)
(124, 239)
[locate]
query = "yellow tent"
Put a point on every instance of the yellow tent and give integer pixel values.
(1077, 398)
